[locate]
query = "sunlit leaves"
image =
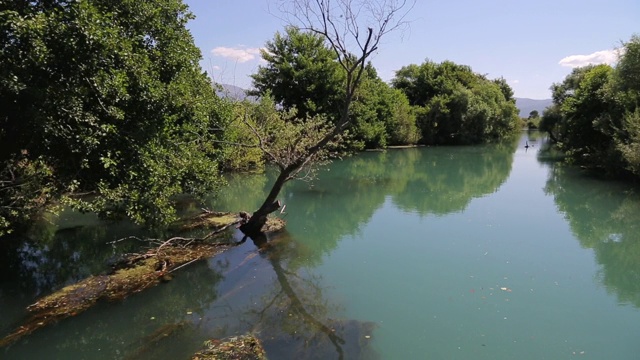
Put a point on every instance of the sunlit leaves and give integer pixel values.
(110, 96)
(454, 105)
(300, 72)
(286, 139)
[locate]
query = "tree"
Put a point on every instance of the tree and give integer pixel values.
(627, 74)
(533, 120)
(106, 98)
(381, 115)
(301, 72)
(551, 121)
(589, 112)
(585, 117)
(626, 83)
(595, 117)
(454, 105)
(507, 91)
(337, 23)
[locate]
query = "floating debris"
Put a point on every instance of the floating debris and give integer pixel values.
(245, 347)
(134, 273)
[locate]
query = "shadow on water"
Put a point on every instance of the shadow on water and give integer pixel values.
(244, 290)
(604, 215)
(296, 322)
(54, 254)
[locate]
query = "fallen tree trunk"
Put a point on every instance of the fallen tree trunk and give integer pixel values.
(134, 273)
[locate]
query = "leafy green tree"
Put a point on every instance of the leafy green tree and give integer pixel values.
(590, 113)
(454, 105)
(382, 115)
(586, 117)
(106, 98)
(627, 86)
(595, 118)
(554, 119)
(561, 91)
(551, 121)
(507, 91)
(628, 69)
(533, 121)
(401, 125)
(301, 72)
(630, 146)
(347, 27)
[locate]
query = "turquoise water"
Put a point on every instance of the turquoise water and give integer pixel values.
(485, 252)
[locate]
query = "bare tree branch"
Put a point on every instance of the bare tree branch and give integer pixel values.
(346, 26)
(261, 142)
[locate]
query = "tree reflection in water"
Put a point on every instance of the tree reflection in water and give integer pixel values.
(604, 216)
(292, 317)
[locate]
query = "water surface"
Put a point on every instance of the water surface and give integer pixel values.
(484, 252)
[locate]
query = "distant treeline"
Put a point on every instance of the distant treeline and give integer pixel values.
(429, 103)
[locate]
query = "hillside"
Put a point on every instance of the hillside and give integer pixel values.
(528, 105)
(233, 92)
(523, 104)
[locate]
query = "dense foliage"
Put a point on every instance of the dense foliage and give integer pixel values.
(106, 98)
(103, 106)
(595, 116)
(454, 105)
(302, 73)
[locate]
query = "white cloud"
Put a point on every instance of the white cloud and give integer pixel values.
(515, 81)
(241, 54)
(216, 67)
(598, 57)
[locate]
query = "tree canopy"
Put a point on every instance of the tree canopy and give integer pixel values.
(303, 73)
(300, 72)
(454, 105)
(104, 98)
(595, 117)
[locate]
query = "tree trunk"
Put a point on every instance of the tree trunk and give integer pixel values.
(253, 227)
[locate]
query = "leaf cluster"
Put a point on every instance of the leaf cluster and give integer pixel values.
(285, 139)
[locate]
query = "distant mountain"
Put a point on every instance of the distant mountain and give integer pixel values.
(233, 92)
(526, 106)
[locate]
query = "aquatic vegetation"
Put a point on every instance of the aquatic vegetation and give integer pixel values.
(134, 273)
(245, 347)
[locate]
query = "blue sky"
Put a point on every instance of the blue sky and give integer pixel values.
(532, 44)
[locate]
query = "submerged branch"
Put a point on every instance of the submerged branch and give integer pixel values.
(134, 273)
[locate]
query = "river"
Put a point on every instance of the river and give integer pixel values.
(483, 252)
